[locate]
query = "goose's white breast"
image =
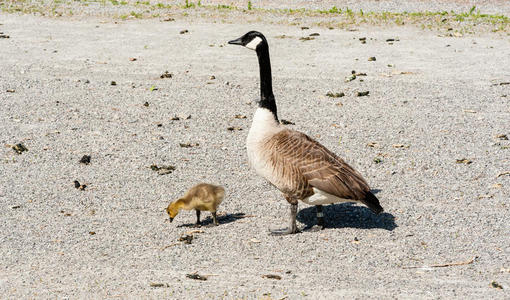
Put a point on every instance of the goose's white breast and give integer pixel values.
(264, 126)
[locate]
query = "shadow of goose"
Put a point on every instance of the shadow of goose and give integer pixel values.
(347, 215)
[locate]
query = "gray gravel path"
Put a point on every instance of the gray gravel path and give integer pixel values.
(440, 101)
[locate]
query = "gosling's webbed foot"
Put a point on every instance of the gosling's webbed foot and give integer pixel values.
(197, 225)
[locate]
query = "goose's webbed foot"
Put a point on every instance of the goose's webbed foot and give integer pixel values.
(320, 221)
(293, 227)
(314, 228)
(284, 231)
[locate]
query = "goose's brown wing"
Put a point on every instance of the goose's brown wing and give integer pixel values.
(311, 164)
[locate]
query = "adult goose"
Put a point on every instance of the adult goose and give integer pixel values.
(300, 167)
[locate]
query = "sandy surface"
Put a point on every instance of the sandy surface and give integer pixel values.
(439, 101)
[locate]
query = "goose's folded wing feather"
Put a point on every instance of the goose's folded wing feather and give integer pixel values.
(320, 167)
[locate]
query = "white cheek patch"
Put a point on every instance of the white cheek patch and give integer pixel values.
(254, 43)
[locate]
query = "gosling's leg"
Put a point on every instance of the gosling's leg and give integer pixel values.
(215, 221)
(198, 218)
(292, 226)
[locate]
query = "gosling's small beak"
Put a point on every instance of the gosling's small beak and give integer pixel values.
(238, 41)
(171, 219)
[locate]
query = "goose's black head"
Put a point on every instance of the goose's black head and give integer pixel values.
(255, 40)
(251, 40)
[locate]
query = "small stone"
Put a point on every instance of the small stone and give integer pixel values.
(400, 146)
(188, 145)
(196, 277)
(350, 78)
(372, 58)
(168, 19)
(212, 77)
(19, 148)
(4, 36)
(85, 159)
(335, 95)
(158, 285)
(184, 31)
(314, 34)
(79, 186)
(496, 285)
(362, 94)
(306, 38)
(132, 59)
(464, 161)
(166, 75)
(162, 170)
(186, 238)
(502, 137)
(182, 117)
(305, 28)
(113, 83)
(146, 104)
(11, 91)
(272, 276)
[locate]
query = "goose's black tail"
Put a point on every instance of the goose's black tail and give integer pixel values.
(372, 202)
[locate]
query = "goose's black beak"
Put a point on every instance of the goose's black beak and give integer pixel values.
(171, 219)
(238, 41)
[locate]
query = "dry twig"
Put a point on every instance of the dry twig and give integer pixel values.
(461, 263)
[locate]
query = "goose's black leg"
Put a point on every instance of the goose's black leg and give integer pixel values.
(292, 226)
(320, 220)
(198, 218)
(320, 217)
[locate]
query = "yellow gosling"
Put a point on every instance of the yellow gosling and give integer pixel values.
(201, 197)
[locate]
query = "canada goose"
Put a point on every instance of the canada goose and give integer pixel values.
(202, 196)
(300, 167)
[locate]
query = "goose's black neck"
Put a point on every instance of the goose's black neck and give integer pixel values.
(266, 86)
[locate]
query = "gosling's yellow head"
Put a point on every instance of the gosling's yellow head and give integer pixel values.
(172, 210)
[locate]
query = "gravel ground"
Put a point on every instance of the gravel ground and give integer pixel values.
(429, 138)
(485, 6)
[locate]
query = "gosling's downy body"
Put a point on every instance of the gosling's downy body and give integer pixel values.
(201, 197)
(300, 167)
